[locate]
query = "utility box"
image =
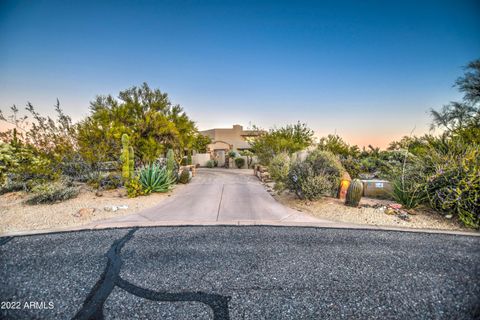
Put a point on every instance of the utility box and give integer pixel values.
(377, 189)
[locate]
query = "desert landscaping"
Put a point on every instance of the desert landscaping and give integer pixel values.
(87, 207)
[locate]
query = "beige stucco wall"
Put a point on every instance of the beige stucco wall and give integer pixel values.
(229, 139)
(201, 159)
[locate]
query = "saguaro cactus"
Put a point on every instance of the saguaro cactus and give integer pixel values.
(128, 158)
(170, 161)
(354, 193)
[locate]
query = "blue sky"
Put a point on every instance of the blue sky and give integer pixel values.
(368, 70)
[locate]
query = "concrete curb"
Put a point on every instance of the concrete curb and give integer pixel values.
(329, 225)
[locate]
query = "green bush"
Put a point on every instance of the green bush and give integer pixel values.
(328, 165)
(12, 186)
(210, 164)
(278, 169)
(76, 168)
(155, 179)
(306, 184)
(23, 163)
(52, 193)
(319, 175)
(134, 187)
(289, 139)
(232, 154)
(408, 183)
(184, 176)
(105, 181)
(239, 162)
(454, 187)
(352, 166)
(111, 181)
(409, 193)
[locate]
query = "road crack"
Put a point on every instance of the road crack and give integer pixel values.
(93, 305)
(220, 203)
(4, 240)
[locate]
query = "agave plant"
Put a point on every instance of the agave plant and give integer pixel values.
(155, 178)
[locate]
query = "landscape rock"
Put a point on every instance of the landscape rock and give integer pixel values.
(115, 208)
(84, 212)
(403, 215)
(395, 206)
(389, 211)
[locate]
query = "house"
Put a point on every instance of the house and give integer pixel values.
(227, 139)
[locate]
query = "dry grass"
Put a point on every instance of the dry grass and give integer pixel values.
(15, 215)
(335, 210)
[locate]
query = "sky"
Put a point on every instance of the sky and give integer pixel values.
(366, 70)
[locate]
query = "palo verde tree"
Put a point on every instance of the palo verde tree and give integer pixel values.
(288, 139)
(152, 122)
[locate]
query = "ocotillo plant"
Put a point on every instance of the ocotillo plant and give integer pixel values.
(128, 158)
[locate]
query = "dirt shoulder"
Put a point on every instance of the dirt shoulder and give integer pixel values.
(335, 210)
(16, 216)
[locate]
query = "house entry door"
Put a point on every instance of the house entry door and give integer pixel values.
(220, 156)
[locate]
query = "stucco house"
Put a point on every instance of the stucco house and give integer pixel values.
(227, 139)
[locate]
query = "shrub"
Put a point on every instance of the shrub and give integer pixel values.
(239, 162)
(23, 163)
(134, 187)
(210, 164)
(52, 193)
(155, 179)
(232, 154)
(319, 175)
(454, 187)
(76, 168)
(111, 181)
(306, 184)
(12, 186)
(215, 162)
(408, 187)
(328, 165)
(289, 139)
(351, 165)
(184, 176)
(249, 155)
(278, 169)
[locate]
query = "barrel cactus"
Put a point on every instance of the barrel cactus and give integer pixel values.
(354, 193)
(128, 158)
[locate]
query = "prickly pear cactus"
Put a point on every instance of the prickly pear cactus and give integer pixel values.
(127, 158)
(354, 193)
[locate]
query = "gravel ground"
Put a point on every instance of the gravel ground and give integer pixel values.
(335, 210)
(242, 273)
(17, 216)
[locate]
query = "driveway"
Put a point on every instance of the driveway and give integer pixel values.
(228, 196)
(240, 272)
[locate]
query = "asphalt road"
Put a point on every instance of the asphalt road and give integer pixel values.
(240, 273)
